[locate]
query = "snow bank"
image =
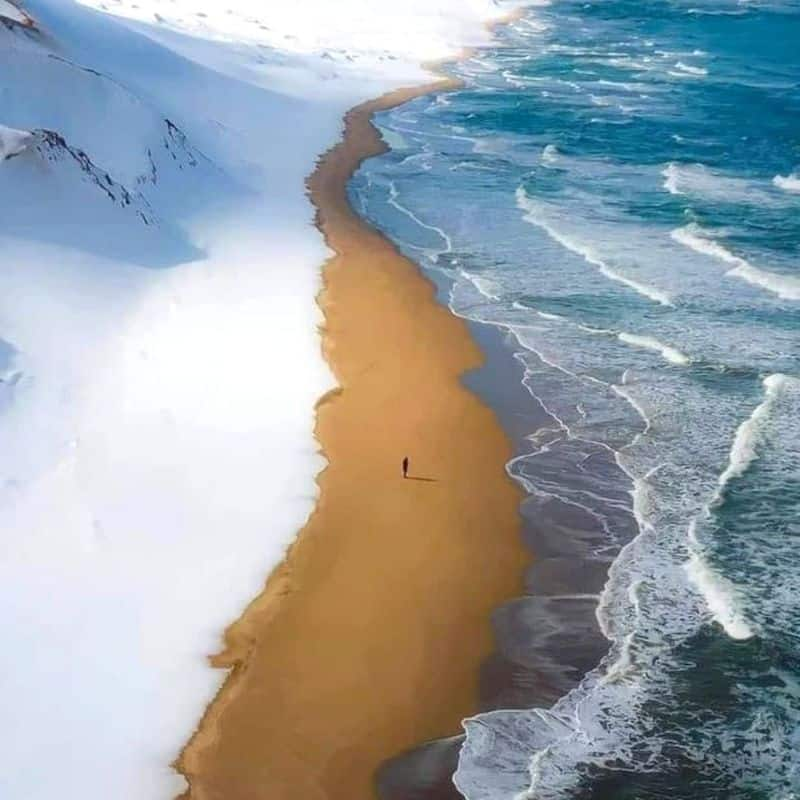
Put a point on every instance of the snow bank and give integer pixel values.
(10, 11)
(159, 357)
(413, 30)
(13, 142)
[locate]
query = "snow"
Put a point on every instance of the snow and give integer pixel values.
(159, 354)
(413, 30)
(10, 11)
(13, 142)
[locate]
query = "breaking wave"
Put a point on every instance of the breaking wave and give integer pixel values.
(719, 592)
(789, 183)
(688, 69)
(533, 215)
(696, 238)
(671, 354)
(745, 444)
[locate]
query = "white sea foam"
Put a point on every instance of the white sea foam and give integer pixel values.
(671, 354)
(532, 24)
(670, 174)
(550, 154)
(393, 195)
(532, 215)
(717, 12)
(486, 287)
(720, 594)
(698, 239)
(697, 180)
(688, 69)
(627, 62)
(513, 79)
(748, 436)
(789, 183)
(625, 85)
(625, 664)
(785, 286)
(695, 237)
(595, 714)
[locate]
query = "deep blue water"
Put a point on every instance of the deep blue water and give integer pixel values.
(617, 187)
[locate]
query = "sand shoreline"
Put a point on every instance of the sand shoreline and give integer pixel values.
(369, 637)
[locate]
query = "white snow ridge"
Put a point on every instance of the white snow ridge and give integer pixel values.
(13, 142)
(12, 14)
(159, 355)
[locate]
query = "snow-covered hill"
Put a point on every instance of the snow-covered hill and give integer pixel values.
(12, 15)
(159, 359)
(13, 142)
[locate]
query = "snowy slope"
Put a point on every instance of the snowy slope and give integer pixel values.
(13, 142)
(11, 14)
(159, 358)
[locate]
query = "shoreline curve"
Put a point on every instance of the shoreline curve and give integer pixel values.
(369, 636)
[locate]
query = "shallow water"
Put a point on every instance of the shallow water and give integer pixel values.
(616, 190)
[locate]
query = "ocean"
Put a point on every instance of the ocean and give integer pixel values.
(615, 194)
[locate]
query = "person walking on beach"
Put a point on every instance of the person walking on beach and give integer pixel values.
(405, 466)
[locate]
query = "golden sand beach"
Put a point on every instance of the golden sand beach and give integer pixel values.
(368, 639)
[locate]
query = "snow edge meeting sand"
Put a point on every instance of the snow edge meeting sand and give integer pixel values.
(309, 707)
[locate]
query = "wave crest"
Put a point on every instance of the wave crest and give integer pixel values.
(719, 594)
(671, 354)
(688, 69)
(532, 215)
(789, 183)
(748, 435)
(696, 238)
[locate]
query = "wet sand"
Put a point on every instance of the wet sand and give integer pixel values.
(546, 639)
(369, 638)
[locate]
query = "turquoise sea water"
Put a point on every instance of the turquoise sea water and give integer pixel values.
(617, 189)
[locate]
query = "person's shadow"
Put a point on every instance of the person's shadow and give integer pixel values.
(420, 478)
